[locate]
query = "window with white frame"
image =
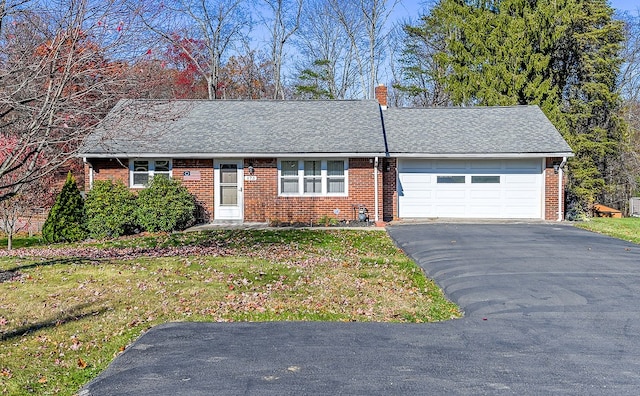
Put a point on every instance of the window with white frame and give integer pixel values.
(143, 170)
(312, 177)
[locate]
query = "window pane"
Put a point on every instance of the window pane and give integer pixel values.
(162, 166)
(140, 178)
(228, 173)
(485, 179)
(450, 179)
(228, 195)
(289, 186)
(335, 168)
(141, 166)
(335, 185)
(312, 185)
(312, 168)
(289, 168)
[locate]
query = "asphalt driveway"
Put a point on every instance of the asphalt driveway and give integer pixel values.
(549, 309)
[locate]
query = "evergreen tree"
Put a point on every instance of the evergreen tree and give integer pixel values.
(66, 220)
(562, 55)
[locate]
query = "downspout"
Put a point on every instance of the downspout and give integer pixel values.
(382, 100)
(561, 189)
(84, 159)
(375, 187)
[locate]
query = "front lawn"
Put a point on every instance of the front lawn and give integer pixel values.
(20, 241)
(66, 311)
(627, 228)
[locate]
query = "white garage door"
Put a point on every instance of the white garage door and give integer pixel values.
(470, 188)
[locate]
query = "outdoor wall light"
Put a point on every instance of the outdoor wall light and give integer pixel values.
(556, 167)
(251, 170)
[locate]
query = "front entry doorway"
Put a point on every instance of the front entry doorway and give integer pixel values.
(228, 193)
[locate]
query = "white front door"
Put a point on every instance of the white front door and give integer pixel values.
(228, 194)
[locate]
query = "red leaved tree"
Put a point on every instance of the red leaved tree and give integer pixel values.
(56, 83)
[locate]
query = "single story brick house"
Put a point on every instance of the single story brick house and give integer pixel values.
(297, 161)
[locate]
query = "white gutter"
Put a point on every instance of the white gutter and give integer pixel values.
(229, 155)
(480, 155)
(375, 188)
(560, 189)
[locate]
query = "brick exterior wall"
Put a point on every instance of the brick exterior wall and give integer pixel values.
(201, 189)
(262, 203)
(107, 169)
(551, 191)
(118, 169)
(390, 193)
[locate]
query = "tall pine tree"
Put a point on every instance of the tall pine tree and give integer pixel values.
(562, 55)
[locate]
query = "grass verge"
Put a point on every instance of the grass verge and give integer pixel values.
(67, 310)
(20, 241)
(627, 228)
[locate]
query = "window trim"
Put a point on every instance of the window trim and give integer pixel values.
(151, 172)
(324, 177)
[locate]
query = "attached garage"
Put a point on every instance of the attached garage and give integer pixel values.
(474, 188)
(476, 162)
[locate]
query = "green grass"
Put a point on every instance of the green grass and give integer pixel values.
(64, 319)
(21, 241)
(627, 228)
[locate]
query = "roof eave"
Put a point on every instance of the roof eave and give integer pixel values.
(482, 155)
(231, 155)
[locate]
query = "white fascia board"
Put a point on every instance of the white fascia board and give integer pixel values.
(483, 155)
(229, 155)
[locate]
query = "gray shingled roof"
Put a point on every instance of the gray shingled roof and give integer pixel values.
(182, 128)
(263, 128)
(472, 130)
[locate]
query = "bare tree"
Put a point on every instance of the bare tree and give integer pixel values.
(419, 70)
(365, 22)
(204, 30)
(628, 169)
(17, 212)
(56, 82)
(325, 50)
(282, 24)
(630, 72)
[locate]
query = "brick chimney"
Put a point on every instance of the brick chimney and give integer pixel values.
(381, 95)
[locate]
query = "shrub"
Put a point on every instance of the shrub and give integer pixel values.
(65, 222)
(110, 209)
(165, 205)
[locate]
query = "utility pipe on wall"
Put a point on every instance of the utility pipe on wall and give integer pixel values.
(560, 189)
(375, 187)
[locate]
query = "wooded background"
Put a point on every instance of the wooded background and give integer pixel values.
(64, 65)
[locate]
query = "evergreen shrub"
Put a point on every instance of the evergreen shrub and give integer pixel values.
(165, 205)
(110, 210)
(66, 220)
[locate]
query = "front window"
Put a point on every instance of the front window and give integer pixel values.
(313, 177)
(335, 177)
(142, 171)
